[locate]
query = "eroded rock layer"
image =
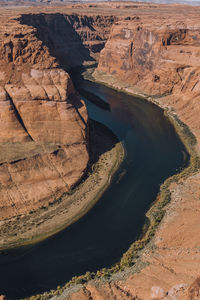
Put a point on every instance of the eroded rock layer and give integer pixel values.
(154, 50)
(43, 121)
(73, 38)
(151, 49)
(158, 58)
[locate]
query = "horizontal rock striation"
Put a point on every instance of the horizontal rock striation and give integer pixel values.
(155, 50)
(43, 121)
(158, 58)
(151, 53)
(152, 50)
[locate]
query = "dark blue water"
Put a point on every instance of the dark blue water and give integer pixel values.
(153, 153)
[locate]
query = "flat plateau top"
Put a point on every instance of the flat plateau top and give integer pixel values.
(105, 8)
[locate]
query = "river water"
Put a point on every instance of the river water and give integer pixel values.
(153, 153)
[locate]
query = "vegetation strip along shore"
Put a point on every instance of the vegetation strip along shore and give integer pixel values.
(156, 212)
(106, 154)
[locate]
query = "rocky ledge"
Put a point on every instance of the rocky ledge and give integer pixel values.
(43, 121)
(151, 49)
(154, 52)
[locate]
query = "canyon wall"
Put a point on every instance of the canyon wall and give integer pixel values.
(43, 121)
(158, 58)
(152, 54)
(74, 38)
(152, 49)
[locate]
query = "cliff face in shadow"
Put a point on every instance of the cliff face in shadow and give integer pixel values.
(72, 39)
(43, 121)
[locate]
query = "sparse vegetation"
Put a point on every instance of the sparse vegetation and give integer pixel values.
(72, 205)
(154, 215)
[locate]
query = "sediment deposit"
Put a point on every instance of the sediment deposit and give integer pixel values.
(152, 50)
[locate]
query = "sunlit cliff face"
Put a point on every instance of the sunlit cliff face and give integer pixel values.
(43, 117)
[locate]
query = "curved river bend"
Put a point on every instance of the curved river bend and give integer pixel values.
(153, 153)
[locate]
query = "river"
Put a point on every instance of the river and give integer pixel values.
(153, 153)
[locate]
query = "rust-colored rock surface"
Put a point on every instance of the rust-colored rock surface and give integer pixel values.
(43, 121)
(194, 290)
(158, 57)
(73, 38)
(152, 50)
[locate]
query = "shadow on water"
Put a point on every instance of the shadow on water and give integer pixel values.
(96, 135)
(153, 153)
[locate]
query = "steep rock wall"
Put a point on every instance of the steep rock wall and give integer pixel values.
(73, 38)
(158, 59)
(151, 55)
(166, 41)
(155, 51)
(43, 121)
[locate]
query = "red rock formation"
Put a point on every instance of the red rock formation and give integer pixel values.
(152, 48)
(157, 58)
(73, 38)
(40, 108)
(150, 54)
(43, 124)
(155, 50)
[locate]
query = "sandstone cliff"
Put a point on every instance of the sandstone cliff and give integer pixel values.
(155, 50)
(43, 121)
(158, 58)
(73, 38)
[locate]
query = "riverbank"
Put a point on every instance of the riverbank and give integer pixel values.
(135, 261)
(170, 238)
(106, 154)
(184, 132)
(171, 242)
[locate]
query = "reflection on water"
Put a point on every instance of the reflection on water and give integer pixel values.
(153, 153)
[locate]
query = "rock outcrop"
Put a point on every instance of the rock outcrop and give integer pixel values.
(154, 50)
(151, 49)
(158, 58)
(43, 137)
(148, 54)
(72, 38)
(43, 121)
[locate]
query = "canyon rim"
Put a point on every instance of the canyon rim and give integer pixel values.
(147, 49)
